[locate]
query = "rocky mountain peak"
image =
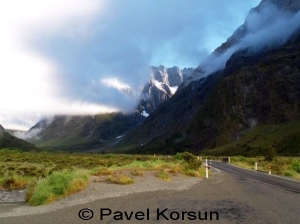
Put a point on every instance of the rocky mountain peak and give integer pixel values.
(162, 86)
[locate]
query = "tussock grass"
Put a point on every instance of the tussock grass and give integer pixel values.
(137, 173)
(102, 171)
(13, 182)
(148, 165)
(163, 174)
(120, 179)
(58, 184)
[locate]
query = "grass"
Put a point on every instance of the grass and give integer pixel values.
(48, 176)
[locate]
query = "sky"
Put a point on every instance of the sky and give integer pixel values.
(74, 57)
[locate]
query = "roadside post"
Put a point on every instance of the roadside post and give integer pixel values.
(255, 166)
(270, 168)
(206, 168)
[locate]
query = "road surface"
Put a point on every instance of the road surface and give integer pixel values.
(289, 184)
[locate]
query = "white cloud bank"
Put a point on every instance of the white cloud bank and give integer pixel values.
(266, 28)
(55, 54)
(27, 80)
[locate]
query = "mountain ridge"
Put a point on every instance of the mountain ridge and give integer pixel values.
(81, 133)
(9, 141)
(253, 89)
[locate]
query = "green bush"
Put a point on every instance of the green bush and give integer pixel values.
(191, 160)
(288, 174)
(295, 165)
(178, 156)
(269, 153)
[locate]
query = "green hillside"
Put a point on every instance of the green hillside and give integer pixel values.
(10, 142)
(79, 133)
(285, 138)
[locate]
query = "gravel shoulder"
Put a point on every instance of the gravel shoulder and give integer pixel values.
(97, 189)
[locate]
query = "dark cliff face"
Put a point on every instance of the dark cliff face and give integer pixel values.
(258, 89)
(255, 88)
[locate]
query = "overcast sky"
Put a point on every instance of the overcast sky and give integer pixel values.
(65, 56)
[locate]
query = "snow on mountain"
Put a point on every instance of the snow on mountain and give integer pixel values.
(162, 85)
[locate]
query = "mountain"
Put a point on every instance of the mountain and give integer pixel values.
(79, 133)
(11, 142)
(162, 86)
(256, 86)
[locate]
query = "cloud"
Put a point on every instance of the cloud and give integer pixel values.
(266, 28)
(56, 54)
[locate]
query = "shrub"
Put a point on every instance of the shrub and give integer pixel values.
(288, 174)
(295, 165)
(269, 153)
(191, 160)
(188, 157)
(178, 156)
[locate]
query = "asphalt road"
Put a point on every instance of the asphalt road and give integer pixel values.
(286, 183)
(235, 198)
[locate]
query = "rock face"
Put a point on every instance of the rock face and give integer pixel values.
(255, 88)
(161, 87)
